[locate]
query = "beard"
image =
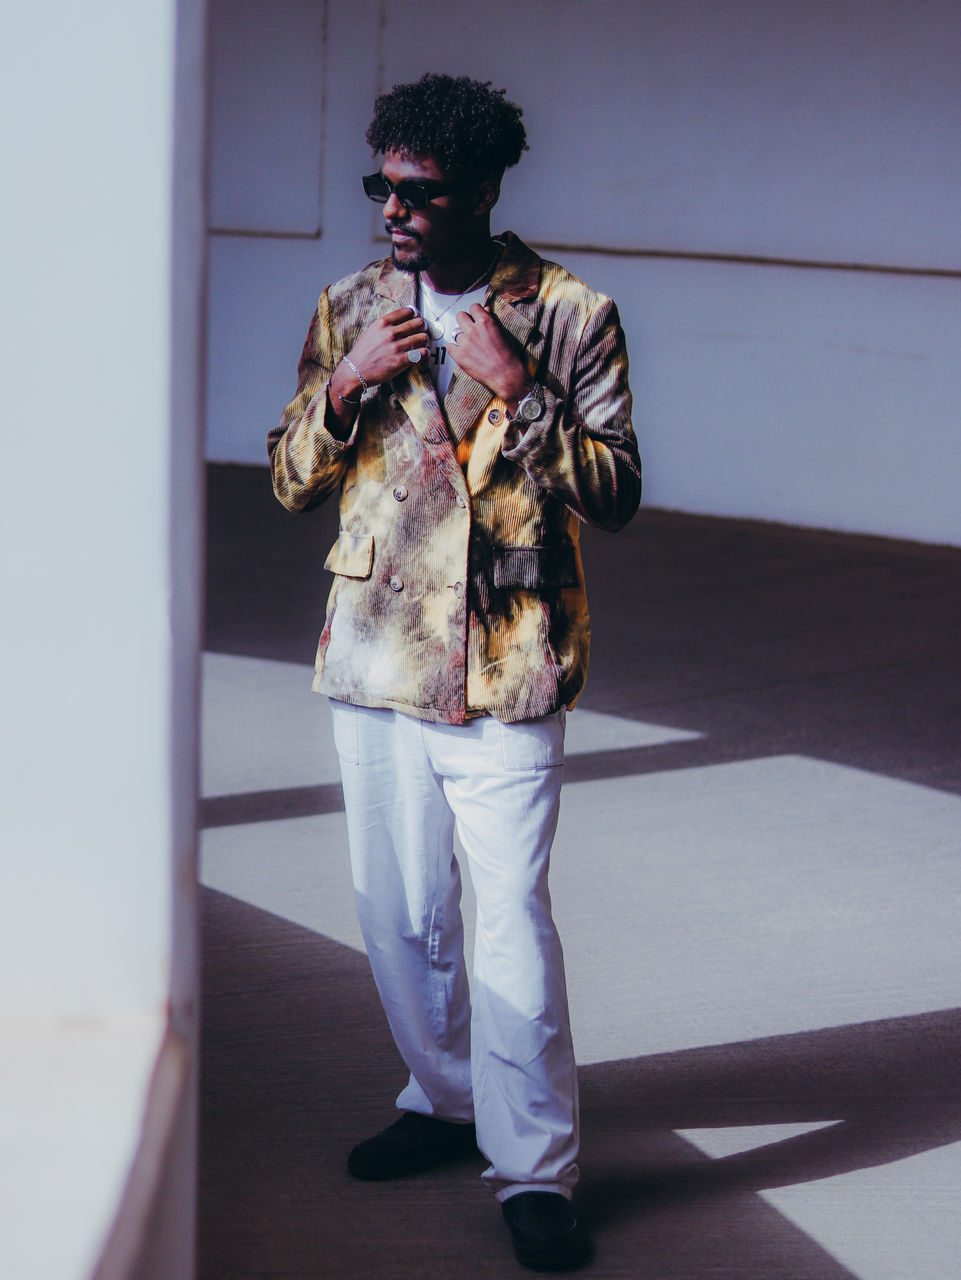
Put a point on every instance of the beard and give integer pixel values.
(413, 259)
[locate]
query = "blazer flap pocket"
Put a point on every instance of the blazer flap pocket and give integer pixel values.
(532, 568)
(352, 555)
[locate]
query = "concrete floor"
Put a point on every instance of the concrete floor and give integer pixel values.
(756, 879)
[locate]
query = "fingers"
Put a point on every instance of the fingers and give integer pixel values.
(411, 333)
(477, 315)
(412, 351)
(399, 324)
(486, 352)
(411, 328)
(404, 315)
(407, 332)
(383, 349)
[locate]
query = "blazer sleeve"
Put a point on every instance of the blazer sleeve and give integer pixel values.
(583, 449)
(307, 459)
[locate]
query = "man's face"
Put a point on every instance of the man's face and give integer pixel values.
(437, 233)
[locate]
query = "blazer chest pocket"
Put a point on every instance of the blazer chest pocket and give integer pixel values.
(352, 555)
(532, 568)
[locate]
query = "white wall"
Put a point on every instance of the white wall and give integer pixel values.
(86, 350)
(669, 143)
(100, 578)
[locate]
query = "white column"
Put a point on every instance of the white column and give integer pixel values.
(100, 373)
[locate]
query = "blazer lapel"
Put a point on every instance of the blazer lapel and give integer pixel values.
(467, 398)
(465, 401)
(415, 387)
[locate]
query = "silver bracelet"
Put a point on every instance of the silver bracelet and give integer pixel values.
(359, 376)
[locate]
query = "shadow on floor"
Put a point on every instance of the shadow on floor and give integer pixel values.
(298, 1063)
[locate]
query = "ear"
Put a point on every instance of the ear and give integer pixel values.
(486, 195)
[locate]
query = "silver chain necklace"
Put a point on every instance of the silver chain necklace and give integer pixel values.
(434, 326)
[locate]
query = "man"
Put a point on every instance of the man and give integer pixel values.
(469, 402)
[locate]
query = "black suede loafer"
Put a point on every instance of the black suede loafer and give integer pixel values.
(545, 1233)
(412, 1144)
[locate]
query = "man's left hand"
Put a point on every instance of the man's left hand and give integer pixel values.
(487, 353)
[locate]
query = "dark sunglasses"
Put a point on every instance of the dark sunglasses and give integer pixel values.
(412, 193)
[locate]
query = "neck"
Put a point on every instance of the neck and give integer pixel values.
(456, 274)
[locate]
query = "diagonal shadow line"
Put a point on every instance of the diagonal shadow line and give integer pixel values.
(846, 1146)
(859, 1143)
(892, 1087)
(269, 806)
(589, 766)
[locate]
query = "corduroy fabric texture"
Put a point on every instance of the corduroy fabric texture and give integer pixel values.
(458, 585)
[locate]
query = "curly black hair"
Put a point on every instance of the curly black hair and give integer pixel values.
(464, 124)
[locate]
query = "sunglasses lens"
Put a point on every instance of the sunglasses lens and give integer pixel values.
(412, 195)
(377, 188)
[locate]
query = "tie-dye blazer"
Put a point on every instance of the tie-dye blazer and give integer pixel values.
(458, 585)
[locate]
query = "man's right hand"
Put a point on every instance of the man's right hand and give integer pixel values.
(380, 353)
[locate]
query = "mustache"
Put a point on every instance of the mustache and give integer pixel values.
(405, 228)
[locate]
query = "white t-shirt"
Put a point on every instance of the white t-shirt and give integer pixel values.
(440, 315)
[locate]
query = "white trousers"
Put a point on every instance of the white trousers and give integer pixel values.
(505, 1058)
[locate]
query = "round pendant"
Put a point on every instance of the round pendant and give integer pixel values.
(435, 330)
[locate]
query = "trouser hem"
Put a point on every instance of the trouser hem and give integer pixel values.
(518, 1188)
